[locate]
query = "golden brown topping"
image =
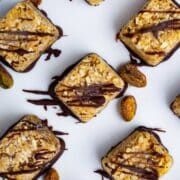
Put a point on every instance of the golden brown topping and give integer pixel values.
(175, 106)
(139, 156)
(94, 2)
(89, 87)
(154, 33)
(133, 76)
(6, 80)
(52, 175)
(128, 108)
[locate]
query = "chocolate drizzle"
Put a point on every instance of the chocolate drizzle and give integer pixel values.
(51, 51)
(160, 12)
(43, 102)
(169, 24)
(47, 102)
(90, 96)
(103, 174)
(27, 36)
(145, 158)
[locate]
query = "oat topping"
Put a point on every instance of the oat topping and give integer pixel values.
(25, 33)
(154, 34)
(94, 2)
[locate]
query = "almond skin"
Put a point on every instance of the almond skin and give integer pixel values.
(94, 2)
(175, 106)
(130, 74)
(128, 108)
(52, 174)
(6, 80)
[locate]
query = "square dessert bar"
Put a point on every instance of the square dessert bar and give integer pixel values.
(28, 149)
(89, 87)
(140, 156)
(25, 33)
(154, 33)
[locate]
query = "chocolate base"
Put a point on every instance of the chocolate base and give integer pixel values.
(143, 63)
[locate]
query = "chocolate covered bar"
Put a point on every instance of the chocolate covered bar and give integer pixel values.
(25, 33)
(154, 33)
(88, 87)
(28, 149)
(94, 2)
(140, 156)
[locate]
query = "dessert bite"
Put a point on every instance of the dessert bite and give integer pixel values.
(140, 156)
(154, 33)
(88, 87)
(25, 33)
(28, 149)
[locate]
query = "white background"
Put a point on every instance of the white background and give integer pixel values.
(93, 29)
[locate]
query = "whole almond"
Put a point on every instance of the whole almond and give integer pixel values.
(52, 174)
(6, 80)
(128, 108)
(175, 106)
(94, 2)
(130, 74)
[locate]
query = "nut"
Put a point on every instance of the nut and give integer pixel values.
(6, 80)
(94, 2)
(128, 108)
(52, 174)
(175, 106)
(130, 74)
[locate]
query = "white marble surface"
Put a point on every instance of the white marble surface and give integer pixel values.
(93, 29)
